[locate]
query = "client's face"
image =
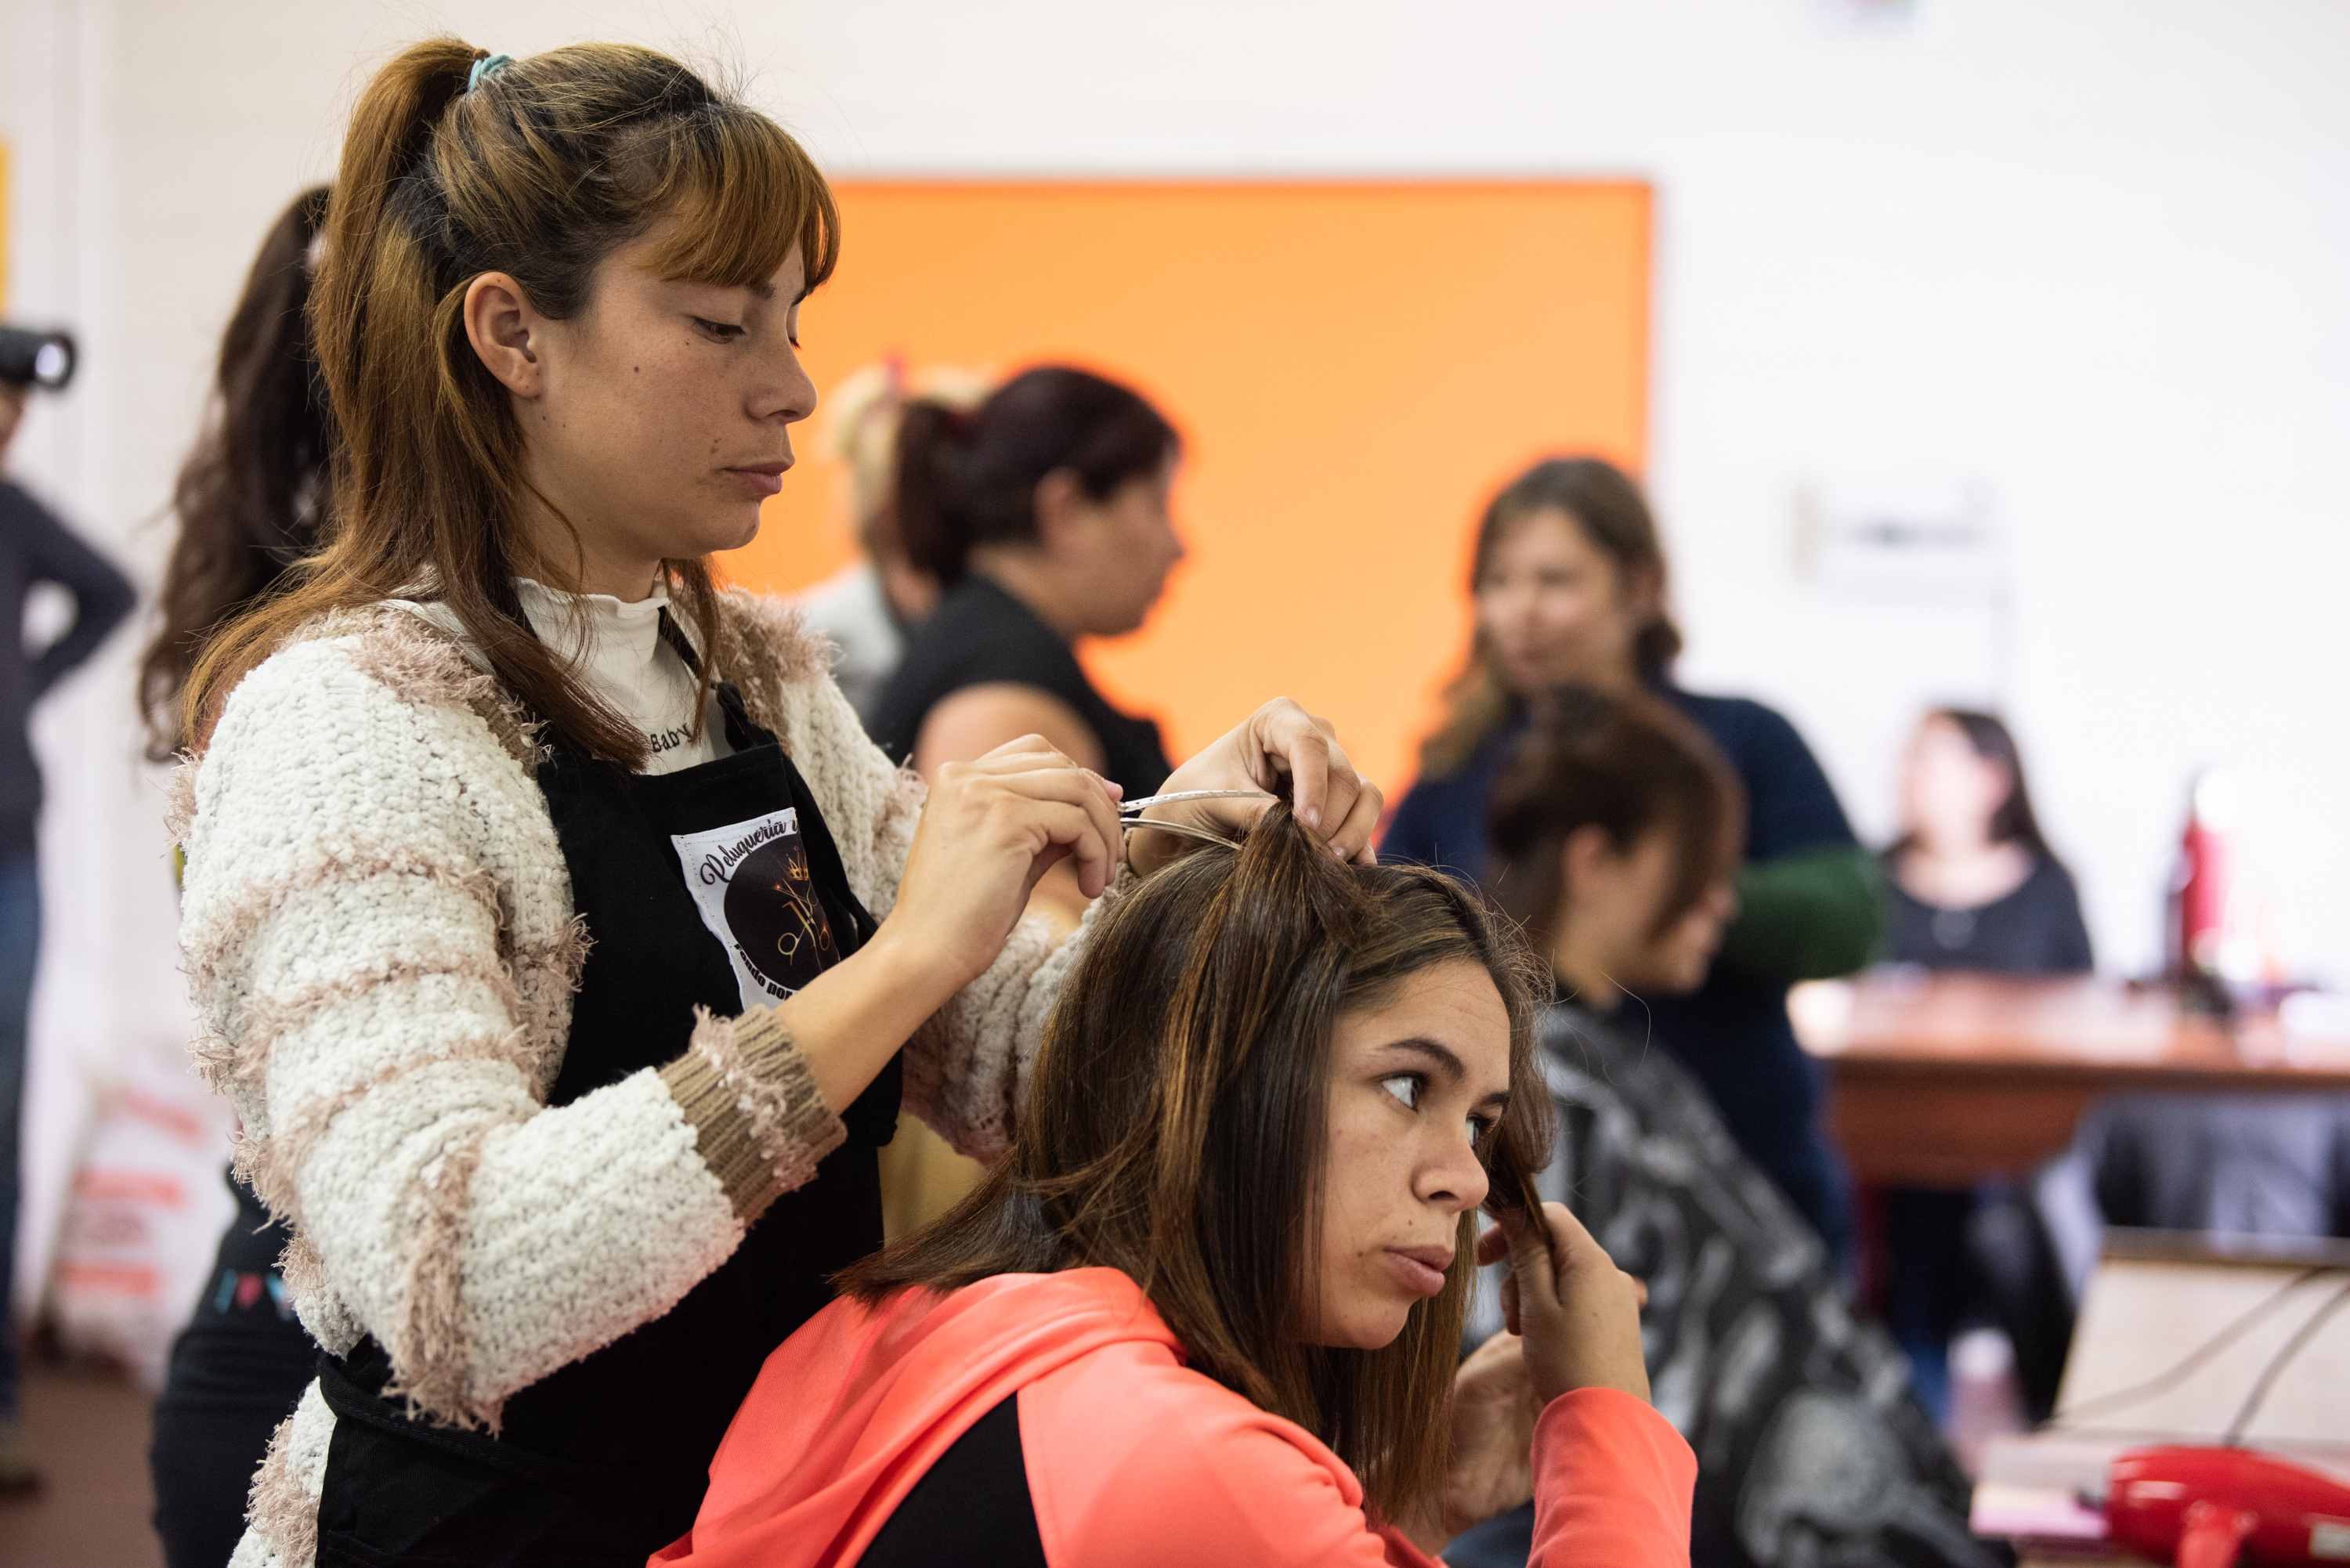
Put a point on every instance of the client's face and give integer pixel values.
(1413, 1083)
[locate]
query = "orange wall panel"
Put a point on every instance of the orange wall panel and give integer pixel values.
(1355, 368)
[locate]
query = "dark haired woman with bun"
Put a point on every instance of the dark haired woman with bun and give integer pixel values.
(1569, 581)
(1043, 513)
(1616, 824)
(563, 943)
(249, 503)
(1206, 1310)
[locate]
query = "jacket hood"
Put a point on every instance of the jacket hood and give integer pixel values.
(852, 1410)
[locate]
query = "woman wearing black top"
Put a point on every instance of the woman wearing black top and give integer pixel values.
(1044, 512)
(1973, 885)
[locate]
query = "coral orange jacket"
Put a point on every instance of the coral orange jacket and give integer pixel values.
(1132, 1460)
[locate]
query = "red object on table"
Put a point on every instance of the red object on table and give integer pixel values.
(2203, 900)
(2212, 1508)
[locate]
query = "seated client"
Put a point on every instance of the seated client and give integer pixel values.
(1617, 826)
(1208, 1308)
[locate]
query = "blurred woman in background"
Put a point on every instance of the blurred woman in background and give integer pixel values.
(250, 501)
(1971, 883)
(1569, 580)
(1616, 828)
(1043, 513)
(868, 606)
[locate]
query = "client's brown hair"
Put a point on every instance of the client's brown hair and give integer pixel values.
(1176, 1126)
(1627, 765)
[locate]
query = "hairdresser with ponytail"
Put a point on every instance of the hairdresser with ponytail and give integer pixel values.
(564, 944)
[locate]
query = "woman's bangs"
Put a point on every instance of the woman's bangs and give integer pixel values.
(741, 194)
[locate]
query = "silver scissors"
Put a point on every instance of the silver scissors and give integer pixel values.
(1132, 810)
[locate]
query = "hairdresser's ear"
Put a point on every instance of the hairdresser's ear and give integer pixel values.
(1061, 502)
(506, 333)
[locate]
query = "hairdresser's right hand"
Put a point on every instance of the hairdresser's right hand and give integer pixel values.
(1580, 1312)
(990, 829)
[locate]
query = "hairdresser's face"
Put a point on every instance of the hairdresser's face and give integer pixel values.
(1613, 897)
(1414, 1080)
(1554, 607)
(1949, 791)
(658, 419)
(1120, 549)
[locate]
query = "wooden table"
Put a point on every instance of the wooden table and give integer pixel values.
(1942, 1080)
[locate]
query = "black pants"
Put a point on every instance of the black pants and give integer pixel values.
(236, 1371)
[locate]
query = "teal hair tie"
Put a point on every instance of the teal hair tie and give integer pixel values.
(483, 67)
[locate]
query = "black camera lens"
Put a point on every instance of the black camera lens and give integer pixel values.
(30, 359)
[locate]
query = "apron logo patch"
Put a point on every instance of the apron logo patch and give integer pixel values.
(751, 882)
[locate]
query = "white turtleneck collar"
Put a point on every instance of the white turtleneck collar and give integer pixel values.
(618, 649)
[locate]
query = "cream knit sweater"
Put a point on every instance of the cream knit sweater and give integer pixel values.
(378, 935)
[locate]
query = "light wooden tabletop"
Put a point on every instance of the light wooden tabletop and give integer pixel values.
(1943, 1079)
(2109, 1028)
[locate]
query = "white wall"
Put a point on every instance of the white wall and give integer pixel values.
(2086, 255)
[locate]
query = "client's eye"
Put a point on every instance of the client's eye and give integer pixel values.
(1478, 1128)
(1404, 1086)
(725, 332)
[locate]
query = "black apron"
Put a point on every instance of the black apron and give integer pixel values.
(606, 1461)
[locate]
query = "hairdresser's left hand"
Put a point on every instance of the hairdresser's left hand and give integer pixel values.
(1494, 1412)
(1280, 739)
